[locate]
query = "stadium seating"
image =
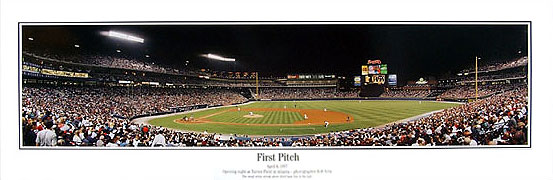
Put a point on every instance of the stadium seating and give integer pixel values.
(305, 93)
(86, 117)
(100, 114)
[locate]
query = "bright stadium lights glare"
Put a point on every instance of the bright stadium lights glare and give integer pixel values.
(31, 39)
(76, 45)
(147, 56)
(217, 57)
(125, 36)
(118, 51)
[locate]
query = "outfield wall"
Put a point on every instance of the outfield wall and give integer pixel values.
(462, 100)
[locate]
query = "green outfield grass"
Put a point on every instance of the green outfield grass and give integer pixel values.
(365, 114)
(269, 117)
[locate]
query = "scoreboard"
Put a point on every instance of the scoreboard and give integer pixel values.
(374, 78)
(379, 79)
(374, 69)
(374, 73)
(378, 69)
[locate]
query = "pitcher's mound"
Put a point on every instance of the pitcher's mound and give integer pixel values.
(253, 116)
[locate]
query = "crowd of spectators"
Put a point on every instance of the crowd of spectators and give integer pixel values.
(241, 83)
(180, 80)
(116, 61)
(406, 93)
(100, 116)
(305, 93)
(64, 116)
(464, 92)
(128, 63)
(523, 61)
(512, 75)
(499, 120)
(122, 101)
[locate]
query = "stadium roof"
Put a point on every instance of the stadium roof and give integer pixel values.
(411, 51)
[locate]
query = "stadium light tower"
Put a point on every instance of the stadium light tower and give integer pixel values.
(217, 57)
(123, 36)
(221, 58)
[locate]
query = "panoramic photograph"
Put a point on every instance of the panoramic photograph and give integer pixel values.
(217, 85)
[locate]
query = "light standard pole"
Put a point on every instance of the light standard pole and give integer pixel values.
(234, 70)
(256, 85)
(476, 76)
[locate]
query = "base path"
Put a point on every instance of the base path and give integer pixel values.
(315, 117)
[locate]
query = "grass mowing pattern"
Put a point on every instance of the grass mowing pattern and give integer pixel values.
(365, 114)
(269, 117)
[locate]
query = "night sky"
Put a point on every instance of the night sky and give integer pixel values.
(411, 51)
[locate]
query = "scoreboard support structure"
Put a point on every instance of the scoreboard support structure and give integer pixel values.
(371, 90)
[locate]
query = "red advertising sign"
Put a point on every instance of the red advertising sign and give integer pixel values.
(374, 61)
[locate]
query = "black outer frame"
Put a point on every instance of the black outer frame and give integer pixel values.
(529, 146)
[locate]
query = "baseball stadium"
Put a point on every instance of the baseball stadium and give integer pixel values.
(244, 84)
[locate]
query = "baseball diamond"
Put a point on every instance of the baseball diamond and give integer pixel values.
(277, 120)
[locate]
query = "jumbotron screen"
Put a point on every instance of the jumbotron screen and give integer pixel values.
(375, 79)
(374, 69)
